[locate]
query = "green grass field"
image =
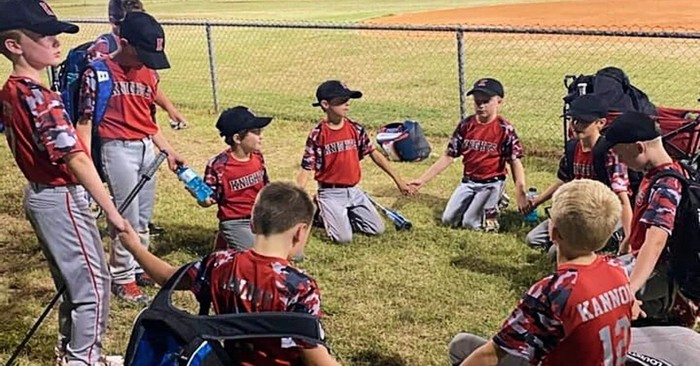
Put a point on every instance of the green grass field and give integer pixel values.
(392, 300)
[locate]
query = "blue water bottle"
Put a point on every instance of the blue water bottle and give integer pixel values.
(532, 216)
(194, 183)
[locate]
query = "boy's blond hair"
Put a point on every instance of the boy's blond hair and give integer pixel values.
(585, 213)
(13, 34)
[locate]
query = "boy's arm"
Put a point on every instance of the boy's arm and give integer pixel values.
(626, 215)
(381, 162)
(174, 159)
(303, 177)
(164, 102)
(84, 130)
(547, 194)
(86, 101)
(518, 172)
(487, 355)
(318, 356)
(310, 158)
(438, 167)
(654, 244)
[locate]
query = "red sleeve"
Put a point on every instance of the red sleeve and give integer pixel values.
(88, 94)
(54, 131)
(512, 148)
(312, 152)
(364, 144)
(664, 198)
(617, 173)
(454, 146)
(211, 177)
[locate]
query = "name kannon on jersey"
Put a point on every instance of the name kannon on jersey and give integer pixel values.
(604, 303)
(340, 146)
(132, 88)
(479, 145)
(247, 181)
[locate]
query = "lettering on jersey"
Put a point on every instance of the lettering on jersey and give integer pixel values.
(247, 181)
(132, 88)
(604, 303)
(479, 145)
(583, 170)
(248, 292)
(340, 146)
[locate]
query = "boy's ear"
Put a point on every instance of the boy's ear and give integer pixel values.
(554, 233)
(325, 104)
(300, 234)
(640, 147)
(13, 46)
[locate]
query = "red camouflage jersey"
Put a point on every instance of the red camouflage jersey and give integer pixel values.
(484, 147)
(584, 169)
(38, 131)
(655, 205)
(235, 183)
(129, 114)
(580, 307)
(335, 155)
(247, 282)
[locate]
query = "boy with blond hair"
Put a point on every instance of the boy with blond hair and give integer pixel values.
(282, 217)
(55, 161)
(585, 305)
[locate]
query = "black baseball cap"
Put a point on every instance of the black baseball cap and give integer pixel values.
(630, 127)
(33, 15)
(147, 36)
(587, 108)
(331, 89)
(239, 118)
(488, 86)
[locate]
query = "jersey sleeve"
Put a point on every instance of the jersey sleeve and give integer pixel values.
(364, 144)
(454, 146)
(617, 173)
(308, 301)
(535, 327)
(211, 178)
(312, 152)
(266, 177)
(54, 131)
(88, 94)
(563, 172)
(512, 146)
(664, 198)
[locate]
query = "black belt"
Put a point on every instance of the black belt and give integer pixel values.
(495, 179)
(329, 185)
(238, 218)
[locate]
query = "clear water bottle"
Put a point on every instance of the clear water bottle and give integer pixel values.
(194, 183)
(532, 216)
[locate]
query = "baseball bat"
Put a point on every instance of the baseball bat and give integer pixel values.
(400, 222)
(145, 177)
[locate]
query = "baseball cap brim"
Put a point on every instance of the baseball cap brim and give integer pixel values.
(583, 117)
(261, 122)
(488, 92)
(350, 94)
(53, 27)
(603, 145)
(153, 60)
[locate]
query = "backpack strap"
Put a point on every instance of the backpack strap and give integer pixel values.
(670, 173)
(600, 160)
(569, 151)
(104, 85)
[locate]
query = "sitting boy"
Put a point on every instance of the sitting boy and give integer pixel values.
(282, 217)
(588, 114)
(486, 142)
(585, 305)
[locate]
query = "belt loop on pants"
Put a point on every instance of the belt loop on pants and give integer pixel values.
(495, 179)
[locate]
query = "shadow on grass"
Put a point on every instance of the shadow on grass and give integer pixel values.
(375, 358)
(197, 239)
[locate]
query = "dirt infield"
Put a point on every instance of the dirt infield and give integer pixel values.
(677, 15)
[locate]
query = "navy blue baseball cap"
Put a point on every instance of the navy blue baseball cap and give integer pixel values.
(630, 127)
(147, 36)
(587, 108)
(33, 15)
(239, 118)
(331, 89)
(488, 86)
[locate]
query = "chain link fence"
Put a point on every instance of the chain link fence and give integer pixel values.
(420, 73)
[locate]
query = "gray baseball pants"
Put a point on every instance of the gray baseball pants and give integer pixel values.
(124, 161)
(237, 233)
(345, 210)
(470, 202)
(70, 240)
(677, 345)
(539, 235)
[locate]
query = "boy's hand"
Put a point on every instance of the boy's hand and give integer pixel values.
(117, 222)
(524, 205)
(416, 184)
(637, 311)
(129, 238)
(624, 246)
(175, 160)
(177, 121)
(405, 188)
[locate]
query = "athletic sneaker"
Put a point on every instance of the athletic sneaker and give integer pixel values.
(130, 292)
(144, 280)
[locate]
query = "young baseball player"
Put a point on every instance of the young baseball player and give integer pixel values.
(282, 217)
(52, 157)
(128, 134)
(588, 114)
(636, 139)
(333, 152)
(486, 142)
(585, 305)
(650, 346)
(237, 174)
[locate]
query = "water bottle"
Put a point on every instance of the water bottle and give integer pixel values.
(194, 183)
(532, 216)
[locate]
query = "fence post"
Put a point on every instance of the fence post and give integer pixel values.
(460, 70)
(212, 67)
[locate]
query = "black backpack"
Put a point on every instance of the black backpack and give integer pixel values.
(600, 157)
(166, 336)
(613, 86)
(683, 246)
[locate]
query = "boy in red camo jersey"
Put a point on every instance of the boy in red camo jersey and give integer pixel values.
(282, 218)
(128, 135)
(585, 305)
(636, 139)
(333, 151)
(486, 142)
(236, 175)
(54, 161)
